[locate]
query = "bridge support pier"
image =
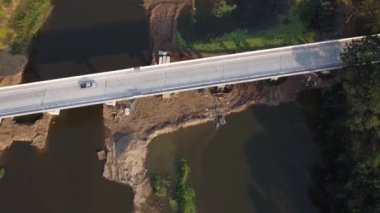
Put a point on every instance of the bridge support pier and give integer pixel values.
(221, 86)
(110, 103)
(169, 95)
(54, 112)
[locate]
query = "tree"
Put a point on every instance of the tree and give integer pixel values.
(352, 165)
(362, 83)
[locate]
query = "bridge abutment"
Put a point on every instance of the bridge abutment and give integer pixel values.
(110, 103)
(54, 112)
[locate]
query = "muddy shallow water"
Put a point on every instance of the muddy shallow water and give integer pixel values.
(259, 162)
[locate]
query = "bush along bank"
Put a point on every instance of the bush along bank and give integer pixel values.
(181, 198)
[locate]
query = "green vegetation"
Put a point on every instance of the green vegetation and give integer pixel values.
(184, 196)
(29, 18)
(182, 199)
(2, 172)
(351, 178)
(300, 25)
(21, 21)
(160, 185)
(222, 8)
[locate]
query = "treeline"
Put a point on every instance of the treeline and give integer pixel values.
(351, 133)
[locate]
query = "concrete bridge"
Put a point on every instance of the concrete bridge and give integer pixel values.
(65, 93)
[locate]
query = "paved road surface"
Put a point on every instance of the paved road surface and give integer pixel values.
(178, 76)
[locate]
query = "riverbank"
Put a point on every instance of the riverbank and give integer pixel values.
(31, 130)
(20, 21)
(127, 137)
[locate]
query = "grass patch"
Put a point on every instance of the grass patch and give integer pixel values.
(29, 18)
(20, 21)
(296, 27)
(5, 37)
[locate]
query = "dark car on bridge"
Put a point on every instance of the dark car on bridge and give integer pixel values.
(87, 84)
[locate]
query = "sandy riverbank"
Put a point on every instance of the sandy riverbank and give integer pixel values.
(128, 137)
(11, 71)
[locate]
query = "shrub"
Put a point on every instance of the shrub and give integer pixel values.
(159, 185)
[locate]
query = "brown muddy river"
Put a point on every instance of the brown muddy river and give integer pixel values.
(261, 161)
(80, 37)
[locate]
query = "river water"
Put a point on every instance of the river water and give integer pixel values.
(261, 161)
(80, 37)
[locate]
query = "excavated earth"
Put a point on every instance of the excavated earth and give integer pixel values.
(35, 132)
(128, 136)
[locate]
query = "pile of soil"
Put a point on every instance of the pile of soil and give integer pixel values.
(34, 133)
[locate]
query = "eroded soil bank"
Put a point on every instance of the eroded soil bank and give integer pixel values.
(12, 68)
(128, 137)
(11, 71)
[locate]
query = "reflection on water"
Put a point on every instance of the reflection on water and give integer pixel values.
(259, 162)
(88, 36)
(67, 176)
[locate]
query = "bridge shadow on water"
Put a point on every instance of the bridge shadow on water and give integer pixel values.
(281, 183)
(66, 176)
(83, 37)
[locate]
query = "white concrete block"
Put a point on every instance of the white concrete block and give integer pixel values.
(110, 103)
(54, 112)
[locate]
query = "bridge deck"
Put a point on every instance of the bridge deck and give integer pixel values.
(178, 76)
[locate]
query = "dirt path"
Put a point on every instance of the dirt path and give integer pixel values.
(163, 16)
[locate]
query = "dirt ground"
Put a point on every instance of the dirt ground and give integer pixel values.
(163, 15)
(35, 133)
(128, 136)
(11, 70)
